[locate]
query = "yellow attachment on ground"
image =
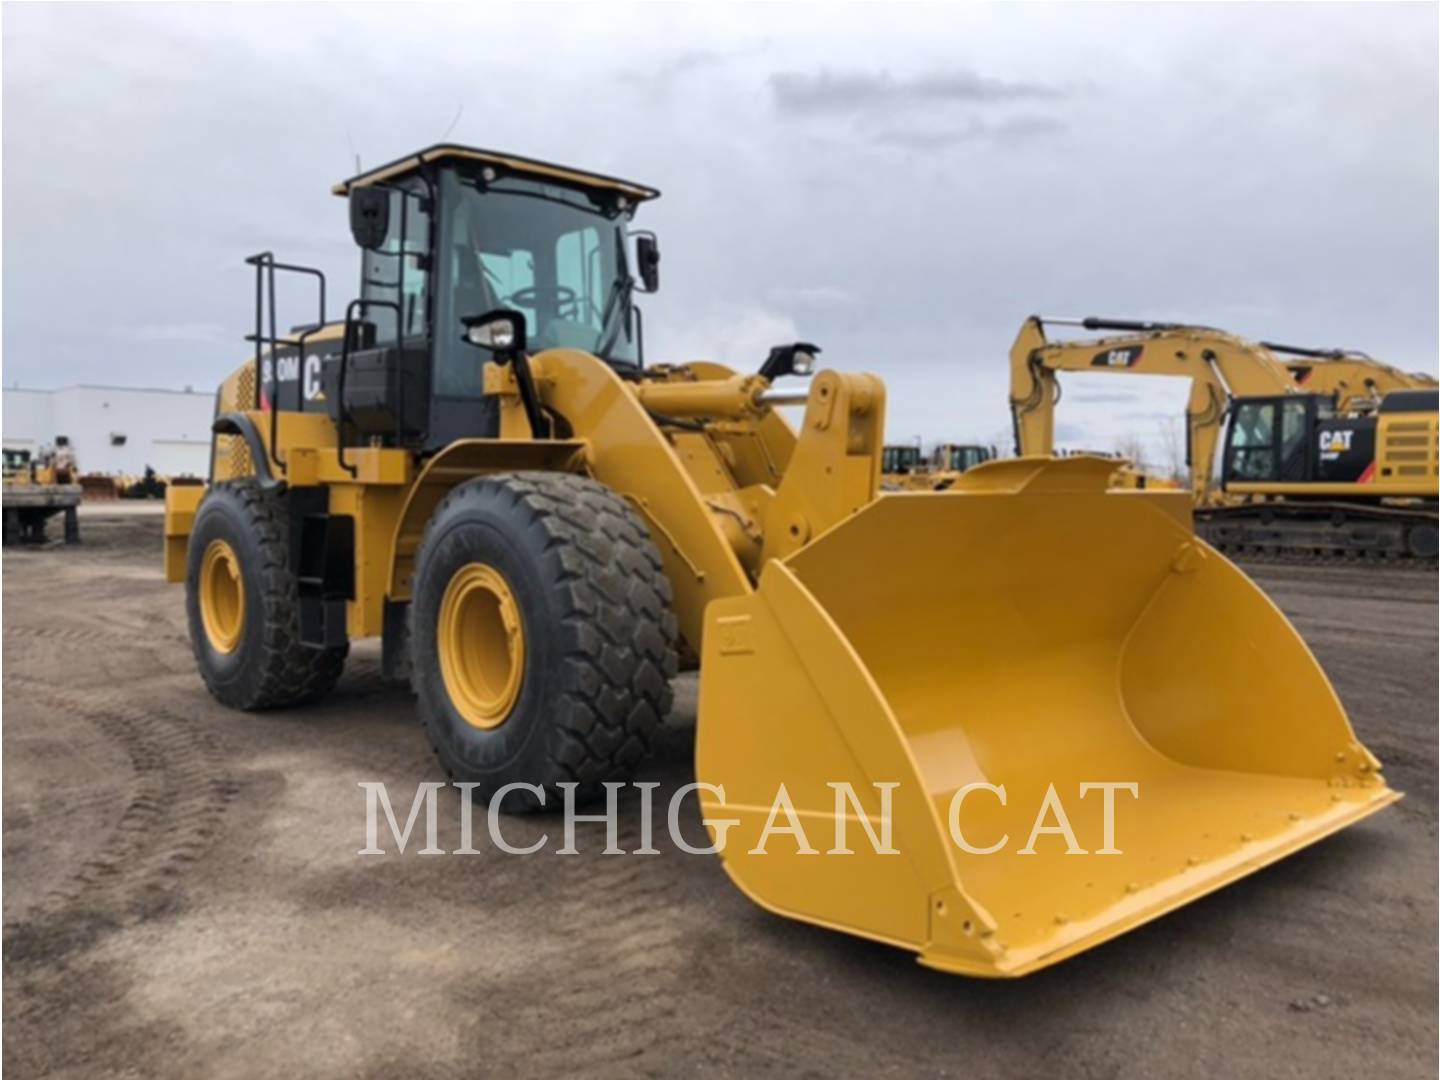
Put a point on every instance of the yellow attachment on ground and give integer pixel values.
(222, 596)
(1031, 630)
(481, 641)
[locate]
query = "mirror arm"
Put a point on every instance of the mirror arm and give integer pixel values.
(529, 396)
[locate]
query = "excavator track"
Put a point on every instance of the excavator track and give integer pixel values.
(1323, 532)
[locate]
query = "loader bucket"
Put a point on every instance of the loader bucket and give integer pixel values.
(1033, 631)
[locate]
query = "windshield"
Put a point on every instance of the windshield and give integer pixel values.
(900, 459)
(967, 457)
(549, 253)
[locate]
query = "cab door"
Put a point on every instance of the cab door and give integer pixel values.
(1270, 441)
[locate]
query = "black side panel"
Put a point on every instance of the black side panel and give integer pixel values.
(1410, 401)
(462, 418)
(1346, 448)
(387, 394)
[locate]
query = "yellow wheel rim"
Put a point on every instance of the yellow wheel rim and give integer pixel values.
(222, 596)
(481, 642)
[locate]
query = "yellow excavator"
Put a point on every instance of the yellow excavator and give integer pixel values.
(1357, 381)
(479, 466)
(1297, 475)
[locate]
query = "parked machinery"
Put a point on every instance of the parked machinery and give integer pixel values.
(901, 463)
(479, 468)
(1296, 475)
(905, 468)
(38, 487)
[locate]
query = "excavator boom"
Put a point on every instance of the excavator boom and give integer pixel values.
(1219, 366)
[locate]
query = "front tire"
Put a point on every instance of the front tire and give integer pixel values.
(543, 642)
(243, 604)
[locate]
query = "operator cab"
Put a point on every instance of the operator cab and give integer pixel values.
(1296, 439)
(900, 460)
(446, 235)
(962, 458)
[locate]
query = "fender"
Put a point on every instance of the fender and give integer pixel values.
(235, 423)
(458, 462)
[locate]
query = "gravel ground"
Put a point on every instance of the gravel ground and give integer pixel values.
(182, 894)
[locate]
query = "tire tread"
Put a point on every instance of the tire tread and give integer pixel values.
(291, 673)
(617, 623)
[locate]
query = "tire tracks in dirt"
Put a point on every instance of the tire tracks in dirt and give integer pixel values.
(180, 790)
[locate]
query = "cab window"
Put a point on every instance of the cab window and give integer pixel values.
(1252, 441)
(1294, 448)
(393, 275)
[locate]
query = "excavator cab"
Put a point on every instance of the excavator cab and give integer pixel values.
(1273, 439)
(1302, 439)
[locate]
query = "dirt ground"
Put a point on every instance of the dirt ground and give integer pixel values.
(183, 896)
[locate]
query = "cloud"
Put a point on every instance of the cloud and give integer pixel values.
(1029, 126)
(190, 333)
(974, 128)
(1010, 188)
(662, 75)
(814, 296)
(739, 335)
(828, 91)
(1150, 416)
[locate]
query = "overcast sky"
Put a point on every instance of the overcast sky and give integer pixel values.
(902, 185)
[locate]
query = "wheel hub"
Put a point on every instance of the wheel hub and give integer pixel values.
(222, 597)
(481, 642)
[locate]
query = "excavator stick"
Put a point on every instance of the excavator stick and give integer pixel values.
(1036, 647)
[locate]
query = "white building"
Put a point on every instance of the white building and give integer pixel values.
(115, 429)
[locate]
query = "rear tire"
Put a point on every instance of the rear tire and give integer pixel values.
(580, 690)
(253, 659)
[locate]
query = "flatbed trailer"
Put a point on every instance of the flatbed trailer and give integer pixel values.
(28, 507)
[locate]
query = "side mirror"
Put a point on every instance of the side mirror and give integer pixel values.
(369, 216)
(500, 331)
(647, 254)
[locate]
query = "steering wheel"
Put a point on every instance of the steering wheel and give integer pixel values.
(565, 298)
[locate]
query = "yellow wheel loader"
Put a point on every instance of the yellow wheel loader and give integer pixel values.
(479, 466)
(904, 468)
(1298, 476)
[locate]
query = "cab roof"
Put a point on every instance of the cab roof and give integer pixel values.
(513, 163)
